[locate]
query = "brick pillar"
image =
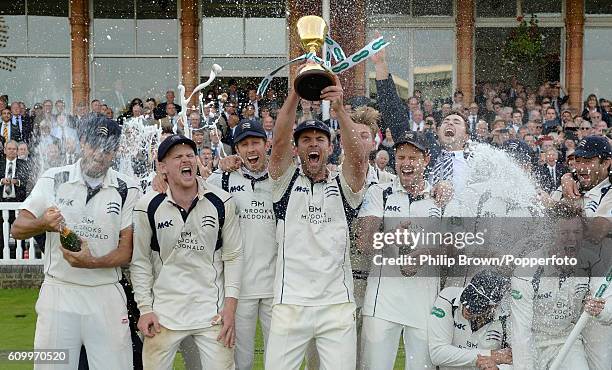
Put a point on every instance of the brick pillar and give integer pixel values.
(574, 33)
(465, 48)
(348, 28)
(79, 36)
(189, 46)
(297, 9)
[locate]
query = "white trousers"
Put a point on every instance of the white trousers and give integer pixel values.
(380, 341)
(332, 327)
(247, 313)
(70, 316)
(158, 352)
(598, 345)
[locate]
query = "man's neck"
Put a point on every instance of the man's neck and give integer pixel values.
(10, 160)
(183, 196)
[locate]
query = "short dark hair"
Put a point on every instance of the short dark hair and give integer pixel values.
(460, 114)
(457, 93)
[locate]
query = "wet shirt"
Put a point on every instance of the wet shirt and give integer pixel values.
(95, 215)
(185, 262)
(389, 295)
(313, 266)
(253, 198)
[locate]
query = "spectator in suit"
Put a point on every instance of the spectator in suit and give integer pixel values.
(64, 133)
(219, 149)
(332, 121)
(21, 122)
(584, 129)
(9, 131)
(162, 110)
(96, 107)
(14, 180)
(549, 174)
(418, 124)
(590, 105)
(551, 121)
(473, 117)
(249, 113)
(428, 108)
(254, 100)
(482, 132)
(268, 125)
(170, 122)
(232, 124)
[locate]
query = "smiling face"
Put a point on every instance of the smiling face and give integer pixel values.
(313, 149)
(253, 150)
(179, 165)
(410, 164)
(452, 132)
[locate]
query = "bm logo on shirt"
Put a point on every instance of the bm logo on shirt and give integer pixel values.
(163, 224)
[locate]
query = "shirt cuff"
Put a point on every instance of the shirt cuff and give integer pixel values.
(145, 309)
(232, 292)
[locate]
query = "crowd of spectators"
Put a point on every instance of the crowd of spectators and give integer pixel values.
(47, 134)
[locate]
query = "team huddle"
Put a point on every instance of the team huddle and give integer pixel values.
(283, 240)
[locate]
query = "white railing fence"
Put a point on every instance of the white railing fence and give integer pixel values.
(26, 249)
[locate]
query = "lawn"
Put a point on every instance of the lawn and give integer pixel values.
(18, 321)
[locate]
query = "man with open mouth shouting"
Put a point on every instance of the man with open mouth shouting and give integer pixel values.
(187, 263)
(313, 288)
(250, 186)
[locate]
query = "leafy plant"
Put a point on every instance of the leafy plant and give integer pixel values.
(524, 46)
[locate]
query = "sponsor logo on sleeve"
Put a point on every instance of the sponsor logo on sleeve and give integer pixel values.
(438, 312)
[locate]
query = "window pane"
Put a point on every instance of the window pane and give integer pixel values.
(16, 35)
(541, 6)
(114, 9)
(265, 8)
(222, 36)
(496, 8)
(245, 66)
(598, 7)
(157, 36)
(40, 40)
(398, 59)
(160, 9)
(388, 7)
(222, 8)
(37, 79)
(119, 80)
(433, 63)
(266, 36)
(113, 36)
(12, 7)
(54, 8)
(598, 62)
(432, 7)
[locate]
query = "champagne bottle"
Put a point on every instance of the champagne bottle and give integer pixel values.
(69, 239)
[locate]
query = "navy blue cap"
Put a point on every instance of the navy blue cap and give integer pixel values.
(311, 124)
(249, 128)
(171, 141)
(593, 146)
(414, 138)
(485, 290)
(101, 131)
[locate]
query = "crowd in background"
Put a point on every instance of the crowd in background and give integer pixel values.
(47, 133)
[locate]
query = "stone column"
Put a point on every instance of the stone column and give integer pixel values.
(79, 39)
(465, 48)
(348, 28)
(574, 33)
(297, 9)
(189, 47)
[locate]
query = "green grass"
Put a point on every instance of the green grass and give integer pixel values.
(18, 322)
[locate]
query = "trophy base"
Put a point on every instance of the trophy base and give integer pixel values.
(309, 83)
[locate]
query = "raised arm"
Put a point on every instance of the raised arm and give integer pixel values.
(282, 155)
(393, 110)
(355, 165)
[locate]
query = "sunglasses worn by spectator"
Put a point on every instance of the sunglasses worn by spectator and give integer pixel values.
(585, 128)
(540, 126)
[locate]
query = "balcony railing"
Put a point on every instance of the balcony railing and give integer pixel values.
(25, 254)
